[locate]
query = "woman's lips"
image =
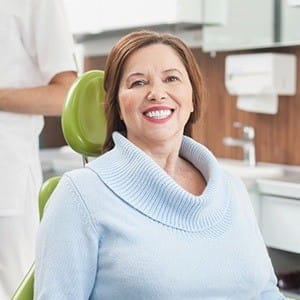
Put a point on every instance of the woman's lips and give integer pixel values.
(158, 113)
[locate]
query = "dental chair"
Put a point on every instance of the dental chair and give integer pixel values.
(84, 128)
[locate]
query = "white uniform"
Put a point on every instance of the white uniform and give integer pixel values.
(35, 44)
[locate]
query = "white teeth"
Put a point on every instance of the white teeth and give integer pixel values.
(159, 114)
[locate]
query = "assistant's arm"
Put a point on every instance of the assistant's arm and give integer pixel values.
(48, 46)
(42, 100)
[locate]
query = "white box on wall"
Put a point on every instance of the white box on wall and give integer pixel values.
(257, 79)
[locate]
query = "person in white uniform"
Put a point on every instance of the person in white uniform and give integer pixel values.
(36, 70)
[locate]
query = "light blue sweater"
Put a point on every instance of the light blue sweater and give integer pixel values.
(122, 228)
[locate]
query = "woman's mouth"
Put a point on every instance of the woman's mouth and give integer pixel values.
(158, 114)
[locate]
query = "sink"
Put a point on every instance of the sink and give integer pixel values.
(261, 170)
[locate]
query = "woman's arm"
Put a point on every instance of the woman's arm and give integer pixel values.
(67, 247)
(270, 290)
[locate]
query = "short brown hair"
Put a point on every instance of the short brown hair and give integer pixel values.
(114, 68)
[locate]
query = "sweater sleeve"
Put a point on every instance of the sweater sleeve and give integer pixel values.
(270, 291)
(67, 247)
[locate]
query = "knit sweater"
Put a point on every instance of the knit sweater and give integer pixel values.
(122, 228)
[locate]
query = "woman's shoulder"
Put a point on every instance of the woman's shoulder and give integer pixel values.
(236, 183)
(82, 177)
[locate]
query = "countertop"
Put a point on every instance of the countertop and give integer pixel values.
(267, 178)
(56, 161)
(286, 185)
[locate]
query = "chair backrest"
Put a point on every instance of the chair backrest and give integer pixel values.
(45, 191)
(84, 128)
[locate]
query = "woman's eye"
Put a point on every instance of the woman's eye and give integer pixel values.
(172, 78)
(138, 83)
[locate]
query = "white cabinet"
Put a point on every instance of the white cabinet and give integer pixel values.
(131, 13)
(280, 223)
(255, 24)
(84, 16)
(96, 16)
(249, 24)
(280, 219)
(280, 210)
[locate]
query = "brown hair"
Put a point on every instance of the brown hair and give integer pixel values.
(114, 68)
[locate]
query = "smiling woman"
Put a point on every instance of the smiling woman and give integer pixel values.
(155, 216)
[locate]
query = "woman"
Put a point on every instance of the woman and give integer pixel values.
(154, 217)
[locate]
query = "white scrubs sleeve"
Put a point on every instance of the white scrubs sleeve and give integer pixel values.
(52, 38)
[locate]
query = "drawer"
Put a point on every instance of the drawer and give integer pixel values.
(280, 223)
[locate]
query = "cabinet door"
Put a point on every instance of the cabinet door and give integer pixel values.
(280, 223)
(97, 16)
(249, 24)
(118, 14)
(289, 22)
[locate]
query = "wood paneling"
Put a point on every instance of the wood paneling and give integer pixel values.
(52, 135)
(277, 136)
(94, 62)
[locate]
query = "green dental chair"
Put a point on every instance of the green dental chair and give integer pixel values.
(84, 128)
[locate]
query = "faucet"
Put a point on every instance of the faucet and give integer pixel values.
(246, 143)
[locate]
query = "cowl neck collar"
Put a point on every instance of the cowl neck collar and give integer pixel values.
(138, 180)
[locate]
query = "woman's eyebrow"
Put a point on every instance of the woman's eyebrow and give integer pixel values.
(172, 70)
(130, 75)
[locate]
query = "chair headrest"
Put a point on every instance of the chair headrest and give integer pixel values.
(83, 120)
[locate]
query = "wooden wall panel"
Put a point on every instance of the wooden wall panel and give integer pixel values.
(277, 136)
(52, 135)
(94, 62)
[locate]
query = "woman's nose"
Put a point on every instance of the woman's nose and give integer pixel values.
(156, 92)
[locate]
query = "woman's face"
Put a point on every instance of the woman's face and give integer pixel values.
(155, 95)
